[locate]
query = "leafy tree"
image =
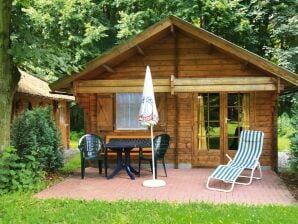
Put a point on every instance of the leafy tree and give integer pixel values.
(284, 35)
(55, 38)
(8, 75)
(275, 25)
(286, 103)
(228, 20)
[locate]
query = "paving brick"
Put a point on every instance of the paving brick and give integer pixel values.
(183, 185)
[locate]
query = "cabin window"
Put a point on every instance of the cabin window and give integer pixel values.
(127, 111)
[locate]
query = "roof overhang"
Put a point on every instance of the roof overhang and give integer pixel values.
(119, 53)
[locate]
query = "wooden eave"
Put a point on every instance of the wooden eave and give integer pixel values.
(173, 85)
(235, 50)
(121, 52)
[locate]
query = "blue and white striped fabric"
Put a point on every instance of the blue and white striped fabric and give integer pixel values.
(247, 156)
(249, 150)
(226, 173)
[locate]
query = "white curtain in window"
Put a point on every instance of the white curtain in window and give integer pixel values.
(127, 111)
(202, 138)
(245, 111)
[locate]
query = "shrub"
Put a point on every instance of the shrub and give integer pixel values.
(285, 127)
(75, 136)
(294, 140)
(34, 133)
(16, 175)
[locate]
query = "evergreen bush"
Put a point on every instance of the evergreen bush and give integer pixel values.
(16, 175)
(34, 133)
(294, 140)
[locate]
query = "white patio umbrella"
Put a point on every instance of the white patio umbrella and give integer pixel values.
(148, 116)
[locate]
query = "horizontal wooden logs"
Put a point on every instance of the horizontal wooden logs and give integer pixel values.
(224, 81)
(121, 83)
(222, 88)
(231, 84)
(127, 89)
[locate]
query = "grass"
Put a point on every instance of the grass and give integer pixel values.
(72, 165)
(73, 144)
(283, 144)
(74, 139)
(23, 208)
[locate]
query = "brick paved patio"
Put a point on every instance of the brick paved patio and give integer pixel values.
(183, 185)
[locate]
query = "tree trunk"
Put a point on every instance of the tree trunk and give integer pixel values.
(9, 77)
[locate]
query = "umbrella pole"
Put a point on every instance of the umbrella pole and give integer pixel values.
(153, 156)
(153, 182)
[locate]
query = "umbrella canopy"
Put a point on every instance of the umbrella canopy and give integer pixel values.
(148, 114)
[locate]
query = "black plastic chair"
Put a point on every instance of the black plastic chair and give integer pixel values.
(161, 144)
(92, 149)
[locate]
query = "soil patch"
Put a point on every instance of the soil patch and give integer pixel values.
(291, 181)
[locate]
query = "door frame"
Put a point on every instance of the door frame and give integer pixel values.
(223, 96)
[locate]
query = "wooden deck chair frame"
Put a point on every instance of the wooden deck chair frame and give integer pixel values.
(234, 166)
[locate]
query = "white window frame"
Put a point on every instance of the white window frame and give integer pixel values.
(130, 108)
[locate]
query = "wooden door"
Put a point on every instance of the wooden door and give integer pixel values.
(219, 119)
(208, 140)
(236, 118)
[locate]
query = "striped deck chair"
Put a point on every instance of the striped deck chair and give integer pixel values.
(246, 158)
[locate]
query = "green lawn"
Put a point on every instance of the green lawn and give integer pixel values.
(73, 144)
(72, 165)
(22, 208)
(74, 139)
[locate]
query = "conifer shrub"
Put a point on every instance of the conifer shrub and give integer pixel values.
(34, 133)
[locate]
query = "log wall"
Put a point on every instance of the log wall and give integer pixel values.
(191, 59)
(264, 118)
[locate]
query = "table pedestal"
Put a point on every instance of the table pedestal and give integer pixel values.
(129, 169)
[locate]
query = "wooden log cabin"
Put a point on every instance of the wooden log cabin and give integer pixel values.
(33, 92)
(207, 90)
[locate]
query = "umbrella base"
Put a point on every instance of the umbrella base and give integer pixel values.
(154, 183)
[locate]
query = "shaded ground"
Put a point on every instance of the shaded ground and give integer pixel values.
(68, 154)
(290, 180)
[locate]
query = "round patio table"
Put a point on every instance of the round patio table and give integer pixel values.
(119, 147)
